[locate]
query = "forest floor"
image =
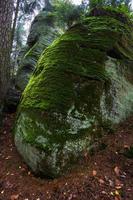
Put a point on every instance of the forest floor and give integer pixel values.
(105, 175)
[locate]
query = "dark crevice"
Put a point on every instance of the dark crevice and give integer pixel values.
(28, 68)
(114, 54)
(32, 40)
(86, 77)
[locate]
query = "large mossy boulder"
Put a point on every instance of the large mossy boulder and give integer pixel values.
(82, 85)
(42, 33)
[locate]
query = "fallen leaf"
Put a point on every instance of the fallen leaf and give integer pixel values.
(118, 187)
(94, 172)
(126, 146)
(101, 181)
(14, 196)
(123, 175)
(29, 173)
(112, 193)
(111, 183)
(70, 197)
(103, 192)
(118, 184)
(117, 198)
(117, 192)
(117, 170)
(8, 157)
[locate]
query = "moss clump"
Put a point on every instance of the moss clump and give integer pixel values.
(79, 85)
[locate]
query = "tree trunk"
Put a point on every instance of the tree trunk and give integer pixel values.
(15, 21)
(6, 11)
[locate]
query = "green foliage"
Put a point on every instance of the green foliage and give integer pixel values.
(96, 3)
(113, 3)
(122, 5)
(66, 12)
(121, 9)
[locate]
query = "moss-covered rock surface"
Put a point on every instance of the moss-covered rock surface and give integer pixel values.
(83, 85)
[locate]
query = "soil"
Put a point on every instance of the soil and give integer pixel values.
(106, 174)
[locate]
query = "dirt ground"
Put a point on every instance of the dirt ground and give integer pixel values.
(104, 175)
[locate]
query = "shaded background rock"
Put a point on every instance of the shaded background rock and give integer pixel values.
(42, 34)
(82, 85)
(12, 100)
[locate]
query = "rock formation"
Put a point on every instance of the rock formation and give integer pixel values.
(42, 33)
(82, 86)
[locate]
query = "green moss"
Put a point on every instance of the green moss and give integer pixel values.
(81, 51)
